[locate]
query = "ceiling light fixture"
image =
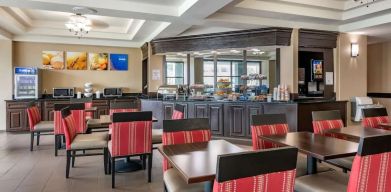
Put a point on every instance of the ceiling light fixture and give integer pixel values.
(365, 2)
(255, 50)
(79, 24)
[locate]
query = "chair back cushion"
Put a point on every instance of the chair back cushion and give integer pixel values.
(69, 127)
(373, 122)
(89, 115)
(267, 124)
(179, 112)
(87, 103)
(34, 116)
(184, 131)
(112, 111)
(321, 126)
(371, 169)
(131, 134)
(78, 113)
(272, 170)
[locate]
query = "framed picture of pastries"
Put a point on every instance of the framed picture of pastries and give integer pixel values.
(76, 60)
(53, 60)
(98, 61)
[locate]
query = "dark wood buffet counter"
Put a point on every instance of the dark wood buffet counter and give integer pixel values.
(17, 120)
(232, 119)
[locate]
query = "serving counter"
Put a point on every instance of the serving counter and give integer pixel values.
(232, 119)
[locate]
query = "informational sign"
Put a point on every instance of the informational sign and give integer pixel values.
(329, 78)
(156, 74)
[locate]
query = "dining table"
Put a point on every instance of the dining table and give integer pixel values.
(356, 132)
(196, 162)
(315, 146)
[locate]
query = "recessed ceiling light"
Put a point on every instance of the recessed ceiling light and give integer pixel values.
(234, 51)
(213, 52)
(255, 50)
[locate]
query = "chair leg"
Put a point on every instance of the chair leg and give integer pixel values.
(73, 158)
(144, 161)
(105, 159)
(68, 164)
(38, 136)
(56, 145)
(165, 187)
(109, 163)
(150, 157)
(112, 172)
(32, 141)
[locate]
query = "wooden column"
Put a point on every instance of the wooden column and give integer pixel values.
(188, 70)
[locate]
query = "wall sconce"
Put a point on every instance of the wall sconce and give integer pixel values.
(355, 49)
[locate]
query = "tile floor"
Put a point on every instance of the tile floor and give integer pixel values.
(22, 170)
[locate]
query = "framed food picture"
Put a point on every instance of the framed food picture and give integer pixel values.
(76, 60)
(98, 61)
(119, 62)
(53, 60)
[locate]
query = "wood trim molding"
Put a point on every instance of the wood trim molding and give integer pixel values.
(317, 39)
(234, 39)
(144, 50)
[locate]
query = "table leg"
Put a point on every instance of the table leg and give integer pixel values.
(312, 165)
(208, 187)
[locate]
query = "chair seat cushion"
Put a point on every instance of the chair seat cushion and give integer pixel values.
(175, 183)
(44, 126)
(301, 167)
(346, 162)
(90, 141)
(330, 181)
(157, 135)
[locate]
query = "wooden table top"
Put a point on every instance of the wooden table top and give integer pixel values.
(318, 146)
(357, 132)
(91, 109)
(386, 126)
(106, 120)
(197, 161)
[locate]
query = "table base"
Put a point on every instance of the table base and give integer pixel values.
(128, 165)
(312, 165)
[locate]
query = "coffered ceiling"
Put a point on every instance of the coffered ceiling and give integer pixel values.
(130, 23)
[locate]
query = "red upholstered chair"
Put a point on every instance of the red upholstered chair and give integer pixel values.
(87, 104)
(324, 120)
(274, 124)
(131, 136)
(181, 132)
(373, 116)
(267, 124)
(179, 112)
(78, 113)
(271, 170)
(371, 170)
(119, 107)
(36, 125)
(81, 142)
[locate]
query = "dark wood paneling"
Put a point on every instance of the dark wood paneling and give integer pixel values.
(379, 95)
(235, 39)
(216, 119)
(235, 120)
(252, 109)
(317, 39)
(168, 110)
(200, 110)
(144, 50)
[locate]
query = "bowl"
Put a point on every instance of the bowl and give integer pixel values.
(218, 97)
(88, 94)
(88, 90)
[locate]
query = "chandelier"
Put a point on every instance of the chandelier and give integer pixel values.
(365, 2)
(79, 25)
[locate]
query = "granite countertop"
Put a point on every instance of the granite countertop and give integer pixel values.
(226, 101)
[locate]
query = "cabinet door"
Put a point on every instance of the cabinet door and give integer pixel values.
(17, 120)
(168, 110)
(252, 110)
(102, 110)
(235, 124)
(200, 110)
(216, 119)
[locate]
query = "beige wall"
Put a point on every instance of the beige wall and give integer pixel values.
(155, 62)
(379, 78)
(29, 54)
(351, 72)
(5, 78)
(289, 57)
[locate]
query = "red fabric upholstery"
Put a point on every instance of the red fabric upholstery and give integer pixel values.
(131, 138)
(69, 124)
(119, 111)
(272, 182)
(177, 115)
(89, 115)
(371, 173)
(79, 118)
(373, 122)
(320, 126)
(182, 137)
(34, 116)
(259, 130)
